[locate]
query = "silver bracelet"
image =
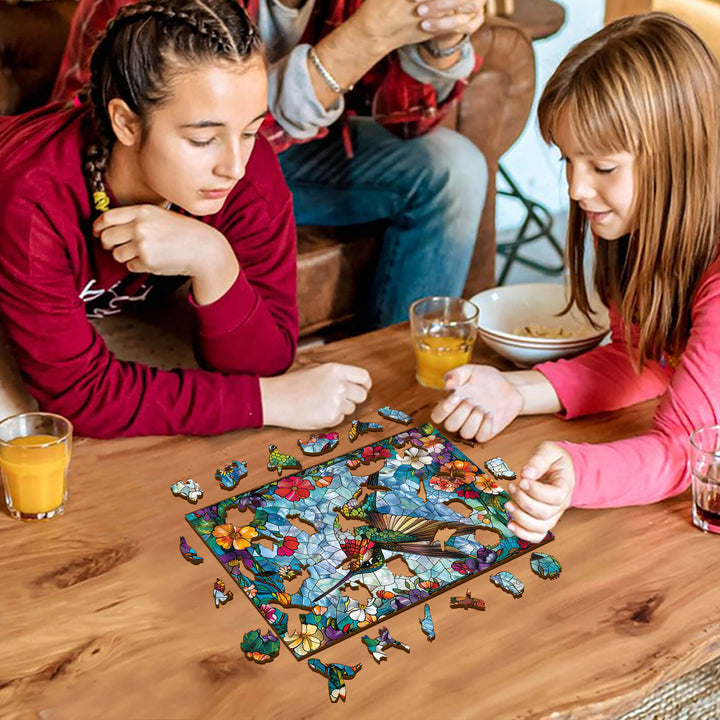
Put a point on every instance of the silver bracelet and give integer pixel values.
(333, 84)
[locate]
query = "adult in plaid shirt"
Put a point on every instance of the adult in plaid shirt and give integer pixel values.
(356, 87)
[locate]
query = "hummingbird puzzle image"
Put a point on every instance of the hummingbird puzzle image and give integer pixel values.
(355, 528)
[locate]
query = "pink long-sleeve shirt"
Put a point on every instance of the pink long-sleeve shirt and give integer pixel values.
(652, 466)
(54, 275)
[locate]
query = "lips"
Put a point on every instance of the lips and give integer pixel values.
(216, 193)
(596, 216)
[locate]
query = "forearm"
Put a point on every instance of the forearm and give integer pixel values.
(215, 273)
(347, 53)
(538, 394)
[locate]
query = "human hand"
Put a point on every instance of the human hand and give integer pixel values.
(482, 403)
(314, 397)
(150, 239)
(542, 494)
(449, 20)
(390, 24)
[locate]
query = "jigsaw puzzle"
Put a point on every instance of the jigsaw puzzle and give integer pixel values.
(338, 530)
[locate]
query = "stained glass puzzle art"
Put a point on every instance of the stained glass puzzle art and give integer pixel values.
(300, 541)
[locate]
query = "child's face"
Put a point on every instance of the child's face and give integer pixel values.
(198, 142)
(603, 185)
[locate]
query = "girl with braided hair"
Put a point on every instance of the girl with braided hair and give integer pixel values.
(157, 179)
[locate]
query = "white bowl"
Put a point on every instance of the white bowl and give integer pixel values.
(507, 308)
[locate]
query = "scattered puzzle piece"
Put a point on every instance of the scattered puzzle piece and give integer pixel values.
(467, 602)
(455, 437)
(336, 675)
(188, 553)
(260, 648)
(382, 642)
(319, 444)
(187, 489)
(397, 415)
(545, 566)
(278, 461)
(509, 583)
(358, 428)
(498, 467)
(221, 597)
(426, 623)
(231, 474)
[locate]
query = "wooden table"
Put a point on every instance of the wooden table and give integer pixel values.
(100, 616)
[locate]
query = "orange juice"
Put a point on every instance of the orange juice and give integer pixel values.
(436, 355)
(34, 476)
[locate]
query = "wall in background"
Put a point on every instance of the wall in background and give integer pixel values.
(535, 166)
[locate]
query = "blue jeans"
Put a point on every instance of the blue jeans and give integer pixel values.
(431, 189)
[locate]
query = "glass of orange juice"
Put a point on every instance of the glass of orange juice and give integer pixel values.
(443, 331)
(34, 457)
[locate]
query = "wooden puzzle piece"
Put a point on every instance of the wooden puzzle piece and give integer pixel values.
(456, 438)
(377, 646)
(467, 602)
(336, 675)
(426, 623)
(187, 489)
(188, 553)
(545, 566)
(358, 428)
(319, 444)
(509, 583)
(278, 461)
(260, 648)
(221, 597)
(396, 415)
(498, 467)
(231, 474)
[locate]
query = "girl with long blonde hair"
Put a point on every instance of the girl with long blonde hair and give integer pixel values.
(635, 113)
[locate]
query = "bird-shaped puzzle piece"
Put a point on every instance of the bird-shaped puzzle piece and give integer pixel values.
(336, 675)
(231, 474)
(396, 415)
(426, 623)
(509, 583)
(221, 597)
(382, 642)
(319, 444)
(467, 602)
(358, 428)
(278, 461)
(188, 553)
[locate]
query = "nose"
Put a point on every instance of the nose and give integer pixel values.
(580, 186)
(232, 162)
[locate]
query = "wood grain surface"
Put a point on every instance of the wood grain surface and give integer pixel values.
(100, 616)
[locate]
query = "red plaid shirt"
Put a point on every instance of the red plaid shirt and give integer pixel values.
(402, 104)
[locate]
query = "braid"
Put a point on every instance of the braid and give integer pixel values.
(132, 57)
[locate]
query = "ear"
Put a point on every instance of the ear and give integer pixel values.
(125, 123)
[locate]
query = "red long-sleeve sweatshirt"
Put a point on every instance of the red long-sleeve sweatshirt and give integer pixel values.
(54, 275)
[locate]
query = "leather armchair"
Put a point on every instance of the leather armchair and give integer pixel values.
(334, 265)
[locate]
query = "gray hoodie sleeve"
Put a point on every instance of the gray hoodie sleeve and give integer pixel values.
(443, 81)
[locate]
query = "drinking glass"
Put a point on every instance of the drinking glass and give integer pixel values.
(443, 331)
(35, 452)
(705, 469)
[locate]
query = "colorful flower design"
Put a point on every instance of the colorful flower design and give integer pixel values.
(323, 481)
(229, 535)
(468, 492)
(463, 470)
(283, 598)
(374, 452)
(385, 594)
(270, 613)
(294, 488)
(289, 546)
(444, 483)
(287, 572)
(250, 590)
(488, 485)
(429, 585)
(307, 640)
(362, 614)
(416, 457)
